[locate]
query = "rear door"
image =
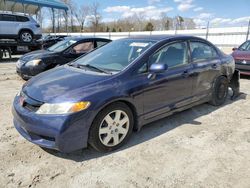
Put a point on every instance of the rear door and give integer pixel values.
(206, 66)
(9, 25)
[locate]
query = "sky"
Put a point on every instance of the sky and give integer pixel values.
(218, 12)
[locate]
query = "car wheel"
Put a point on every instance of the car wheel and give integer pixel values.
(26, 36)
(220, 91)
(111, 128)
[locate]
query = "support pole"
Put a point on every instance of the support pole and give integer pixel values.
(53, 21)
(248, 30)
(207, 30)
(66, 22)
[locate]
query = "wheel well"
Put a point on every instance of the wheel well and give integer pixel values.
(131, 107)
(25, 30)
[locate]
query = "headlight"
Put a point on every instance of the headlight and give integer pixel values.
(33, 63)
(63, 108)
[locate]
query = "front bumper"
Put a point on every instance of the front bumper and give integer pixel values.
(243, 68)
(65, 133)
(28, 72)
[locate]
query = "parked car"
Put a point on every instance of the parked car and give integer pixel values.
(242, 58)
(61, 53)
(101, 97)
(21, 27)
(49, 40)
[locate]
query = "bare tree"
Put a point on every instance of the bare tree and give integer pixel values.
(95, 17)
(81, 15)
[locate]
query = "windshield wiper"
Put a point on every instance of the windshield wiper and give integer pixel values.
(90, 67)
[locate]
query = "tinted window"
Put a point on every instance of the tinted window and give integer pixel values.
(1, 17)
(9, 18)
(173, 55)
(101, 43)
(83, 47)
(22, 19)
(201, 51)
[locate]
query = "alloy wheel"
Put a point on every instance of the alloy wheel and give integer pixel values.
(114, 128)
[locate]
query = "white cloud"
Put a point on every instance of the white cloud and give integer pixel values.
(205, 15)
(241, 20)
(220, 20)
(117, 9)
(184, 5)
(197, 9)
(153, 1)
(148, 12)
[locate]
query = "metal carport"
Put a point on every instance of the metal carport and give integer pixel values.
(33, 7)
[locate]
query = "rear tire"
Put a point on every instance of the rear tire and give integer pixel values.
(26, 36)
(220, 91)
(111, 128)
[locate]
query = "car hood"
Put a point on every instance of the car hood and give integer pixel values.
(242, 55)
(64, 84)
(39, 54)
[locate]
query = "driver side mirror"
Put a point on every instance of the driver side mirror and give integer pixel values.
(158, 68)
(235, 49)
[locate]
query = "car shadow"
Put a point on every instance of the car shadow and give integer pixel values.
(149, 131)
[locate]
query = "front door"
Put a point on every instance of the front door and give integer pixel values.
(173, 88)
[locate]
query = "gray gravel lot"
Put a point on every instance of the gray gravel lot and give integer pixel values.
(204, 146)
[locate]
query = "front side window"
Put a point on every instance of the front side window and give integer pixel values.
(60, 46)
(117, 55)
(201, 51)
(173, 55)
(83, 47)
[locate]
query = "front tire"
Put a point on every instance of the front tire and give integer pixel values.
(220, 91)
(111, 128)
(26, 36)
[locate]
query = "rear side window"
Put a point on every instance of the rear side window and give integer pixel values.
(8, 18)
(201, 51)
(100, 43)
(83, 47)
(22, 19)
(173, 55)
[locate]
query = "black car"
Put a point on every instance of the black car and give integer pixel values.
(61, 53)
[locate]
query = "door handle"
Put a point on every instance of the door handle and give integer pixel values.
(214, 66)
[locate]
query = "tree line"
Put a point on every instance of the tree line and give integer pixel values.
(88, 18)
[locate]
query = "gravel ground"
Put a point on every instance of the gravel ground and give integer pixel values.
(204, 146)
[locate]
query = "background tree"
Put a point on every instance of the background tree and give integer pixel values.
(81, 15)
(95, 18)
(149, 27)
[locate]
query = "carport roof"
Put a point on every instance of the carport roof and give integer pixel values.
(30, 6)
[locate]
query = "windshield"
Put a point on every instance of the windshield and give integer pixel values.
(245, 46)
(62, 45)
(116, 55)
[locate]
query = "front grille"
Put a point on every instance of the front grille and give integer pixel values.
(29, 103)
(242, 61)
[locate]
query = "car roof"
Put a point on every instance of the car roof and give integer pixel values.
(77, 38)
(163, 37)
(15, 14)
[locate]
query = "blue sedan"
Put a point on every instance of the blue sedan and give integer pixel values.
(100, 98)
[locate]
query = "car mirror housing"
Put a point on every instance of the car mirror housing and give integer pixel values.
(158, 68)
(235, 48)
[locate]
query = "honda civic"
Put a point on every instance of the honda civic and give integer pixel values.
(100, 98)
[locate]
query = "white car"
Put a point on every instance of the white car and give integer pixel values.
(21, 27)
